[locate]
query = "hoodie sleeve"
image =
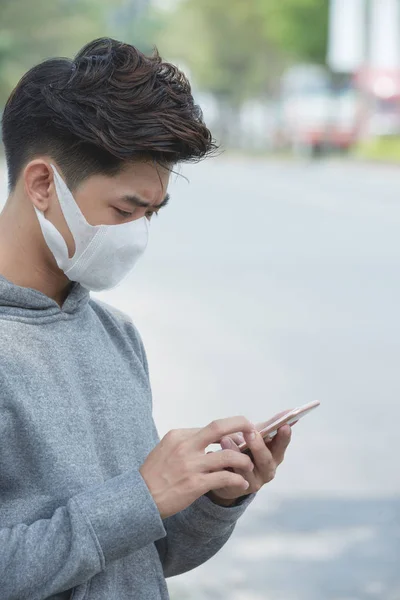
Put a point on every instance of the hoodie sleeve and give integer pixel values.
(197, 533)
(97, 526)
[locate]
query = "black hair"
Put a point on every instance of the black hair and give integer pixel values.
(109, 105)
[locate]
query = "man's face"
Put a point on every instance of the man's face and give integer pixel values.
(139, 190)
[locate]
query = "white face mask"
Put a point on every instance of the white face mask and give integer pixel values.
(104, 254)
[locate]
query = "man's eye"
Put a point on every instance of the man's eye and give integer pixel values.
(123, 213)
(151, 213)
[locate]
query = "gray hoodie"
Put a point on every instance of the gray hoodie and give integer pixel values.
(77, 520)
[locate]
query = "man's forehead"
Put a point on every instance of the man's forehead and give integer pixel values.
(144, 184)
(149, 169)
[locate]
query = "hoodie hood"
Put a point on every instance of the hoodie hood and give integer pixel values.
(18, 302)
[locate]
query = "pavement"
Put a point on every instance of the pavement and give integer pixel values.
(266, 285)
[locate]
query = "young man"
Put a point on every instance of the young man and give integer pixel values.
(92, 504)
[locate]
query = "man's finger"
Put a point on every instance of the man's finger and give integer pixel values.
(216, 430)
(261, 457)
(228, 444)
(279, 443)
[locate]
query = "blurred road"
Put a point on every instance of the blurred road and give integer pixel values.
(267, 285)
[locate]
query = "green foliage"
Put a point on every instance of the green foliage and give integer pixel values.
(385, 149)
(298, 27)
(234, 48)
(31, 31)
(224, 44)
(237, 48)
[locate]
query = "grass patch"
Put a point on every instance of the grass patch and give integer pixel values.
(385, 148)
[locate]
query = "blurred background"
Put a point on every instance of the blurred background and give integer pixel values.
(273, 278)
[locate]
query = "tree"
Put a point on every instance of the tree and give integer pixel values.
(299, 28)
(236, 49)
(31, 31)
(224, 44)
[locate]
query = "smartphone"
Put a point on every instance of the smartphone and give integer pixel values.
(288, 418)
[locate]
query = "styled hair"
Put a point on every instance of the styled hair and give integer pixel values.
(109, 105)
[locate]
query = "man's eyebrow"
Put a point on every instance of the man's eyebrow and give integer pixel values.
(164, 202)
(136, 201)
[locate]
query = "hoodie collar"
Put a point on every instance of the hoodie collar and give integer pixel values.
(17, 301)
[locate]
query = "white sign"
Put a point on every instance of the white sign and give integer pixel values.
(384, 39)
(346, 50)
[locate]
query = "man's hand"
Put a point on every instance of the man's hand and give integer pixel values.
(267, 456)
(178, 471)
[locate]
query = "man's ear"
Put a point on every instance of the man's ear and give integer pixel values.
(39, 183)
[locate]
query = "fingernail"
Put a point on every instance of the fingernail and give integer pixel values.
(246, 485)
(252, 436)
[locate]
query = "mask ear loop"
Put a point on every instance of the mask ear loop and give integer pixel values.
(75, 219)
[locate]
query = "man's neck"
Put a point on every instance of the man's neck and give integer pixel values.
(24, 256)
